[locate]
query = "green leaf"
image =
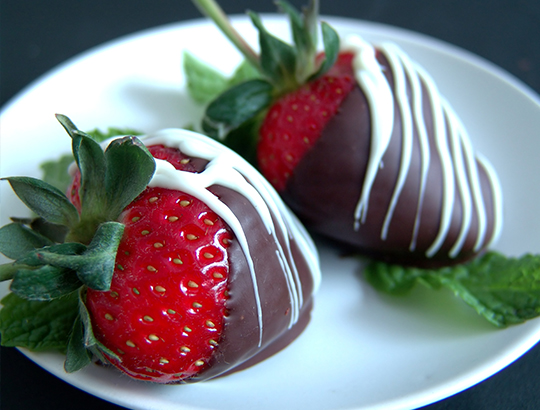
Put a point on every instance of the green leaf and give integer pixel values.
(96, 266)
(7, 271)
(235, 106)
(37, 325)
(89, 339)
(503, 290)
(304, 33)
(52, 255)
(204, 83)
(90, 160)
(17, 239)
(54, 232)
(100, 136)
(243, 140)
(331, 50)
(278, 59)
(129, 169)
(77, 355)
(55, 172)
(45, 200)
(392, 279)
(92, 165)
(44, 283)
(244, 72)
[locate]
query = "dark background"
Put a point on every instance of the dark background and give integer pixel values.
(35, 36)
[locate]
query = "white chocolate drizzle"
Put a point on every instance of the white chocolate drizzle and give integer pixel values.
(459, 163)
(227, 169)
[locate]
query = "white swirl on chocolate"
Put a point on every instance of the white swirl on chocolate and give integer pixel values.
(227, 169)
(458, 161)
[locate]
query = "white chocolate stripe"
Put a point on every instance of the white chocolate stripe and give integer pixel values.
(458, 161)
(225, 168)
(496, 191)
(456, 146)
(370, 77)
(400, 84)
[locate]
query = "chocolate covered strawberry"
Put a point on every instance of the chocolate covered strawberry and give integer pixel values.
(359, 143)
(186, 262)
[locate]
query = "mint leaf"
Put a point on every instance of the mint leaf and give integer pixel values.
(505, 291)
(244, 72)
(37, 325)
(100, 136)
(204, 83)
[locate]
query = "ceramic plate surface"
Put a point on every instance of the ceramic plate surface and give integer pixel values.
(363, 350)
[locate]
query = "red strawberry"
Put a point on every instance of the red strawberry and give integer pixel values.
(361, 146)
(164, 312)
(188, 264)
(295, 121)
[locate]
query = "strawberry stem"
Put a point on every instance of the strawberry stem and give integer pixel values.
(212, 10)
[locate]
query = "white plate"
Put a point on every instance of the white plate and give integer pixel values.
(363, 350)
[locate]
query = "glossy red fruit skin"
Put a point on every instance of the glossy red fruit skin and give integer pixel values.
(164, 313)
(295, 121)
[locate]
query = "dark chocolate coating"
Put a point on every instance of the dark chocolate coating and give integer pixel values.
(238, 345)
(325, 187)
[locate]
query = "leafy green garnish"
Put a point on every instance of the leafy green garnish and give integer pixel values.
(503, 290)
(99, 135)
(204, 83)
(55, 172)
(37, 325)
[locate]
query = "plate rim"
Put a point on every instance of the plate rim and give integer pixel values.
(410, 36)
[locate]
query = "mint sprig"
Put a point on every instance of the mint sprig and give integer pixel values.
(37, 325)
(62, 252)
(505, 291)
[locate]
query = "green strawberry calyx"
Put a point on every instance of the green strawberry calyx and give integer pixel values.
(63, 251)
(281, 68)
